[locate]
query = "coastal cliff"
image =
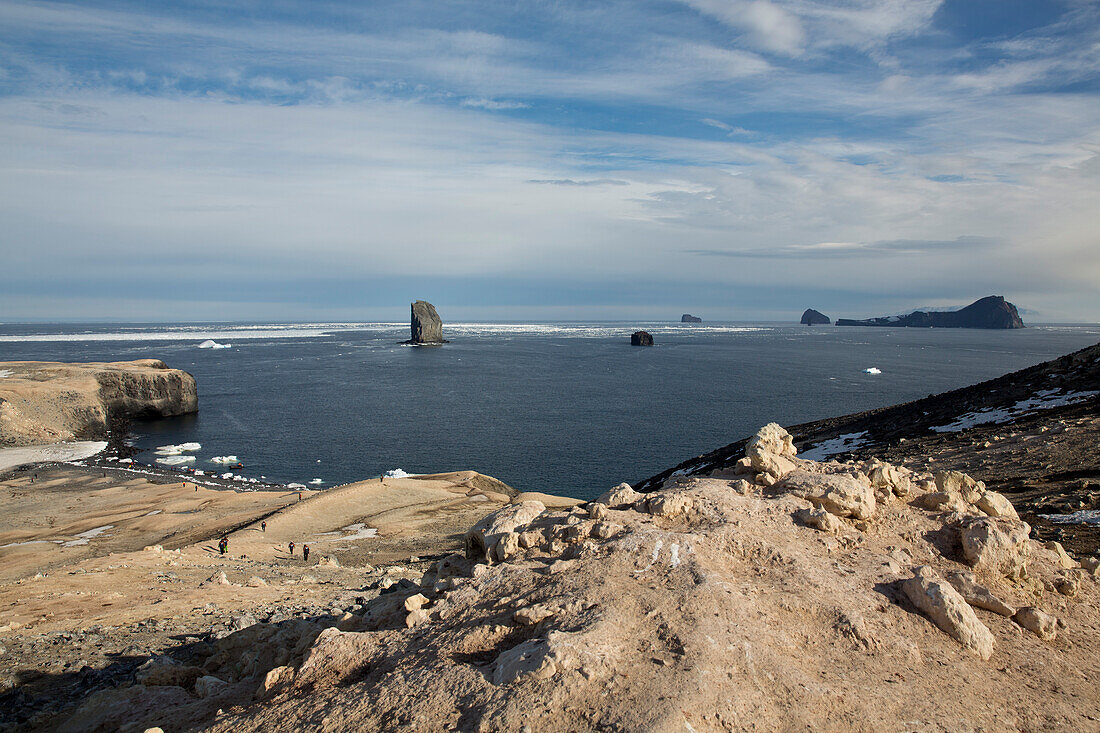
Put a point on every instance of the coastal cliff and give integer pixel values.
(990, 312)
(49, 402)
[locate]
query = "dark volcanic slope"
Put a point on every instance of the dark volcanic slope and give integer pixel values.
(1032, 434)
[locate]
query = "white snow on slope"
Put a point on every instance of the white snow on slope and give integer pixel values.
(1043, 400)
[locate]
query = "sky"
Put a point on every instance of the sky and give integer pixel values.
(512, 160)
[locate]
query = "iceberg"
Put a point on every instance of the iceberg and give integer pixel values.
(224, 459)
(175, 460)
(872, 370)
(210, 344)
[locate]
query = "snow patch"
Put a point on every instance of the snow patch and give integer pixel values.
(84, 537)
(833, 446)
(1044, 399)
(210, 344)
(1085, 516)
(5, 373)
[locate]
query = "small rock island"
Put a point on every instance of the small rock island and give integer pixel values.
(641, 338)
(427, 328)
(688, 318)
(815, 318)
(992, 311)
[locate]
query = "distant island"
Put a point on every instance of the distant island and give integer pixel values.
(688, 318)
(815, 318)
(990, 312)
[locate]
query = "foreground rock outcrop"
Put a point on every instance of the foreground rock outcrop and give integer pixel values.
(990, 312)
(426, 326)
(781, 594)
(49, 402)
(814, 318)
(641, 338)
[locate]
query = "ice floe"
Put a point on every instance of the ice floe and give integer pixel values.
(224, 459)
(211, 344)
(834, 446)
(872, 370)
(295, 486)
(175, 460)
(175, 450)
(1042, 400)
(316, 481)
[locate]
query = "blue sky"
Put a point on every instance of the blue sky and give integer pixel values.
(742, 158)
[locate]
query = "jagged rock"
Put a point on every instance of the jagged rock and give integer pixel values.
(1042, 624)
(427, 328)
(1069, 583)
(887, 477)
(688, 318)
(996, 505)
(484, 540)
(978, 595)
(166, 672)
(941, 501)
(416, 617)
(620, 497)
(641, 338)
(328, 561)
(814, 318)
(209, 686)
(940, 602)
(959, 484)
(669, 505)
(275, 680)
(597, 510)
(533, 614)
(606, 530)
(819, 519)
(771, 438)
(1064, 560)
(416, 602)
(239, 623)
(218, 578)
(995, 543)
(1091, 565)
(256, 582)
(333, 656)
(840, 494)
(528, 658)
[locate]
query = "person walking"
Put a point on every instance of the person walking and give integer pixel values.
(263, 526)
(305, 552)
(291, 548)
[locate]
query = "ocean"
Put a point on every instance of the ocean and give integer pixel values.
(565, 408)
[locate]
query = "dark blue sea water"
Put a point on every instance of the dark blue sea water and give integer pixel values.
(563, 408)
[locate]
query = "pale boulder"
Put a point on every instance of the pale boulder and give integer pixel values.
(771, 438)
(1042, 624)
(819, 519)
(996, 505)
(483, 539)
(841, 494)
(528, 658)
(998, 544)
(670, 504)
(938, 600)
(622, 496)
(960, 484)
(209, 686)
(978, 595)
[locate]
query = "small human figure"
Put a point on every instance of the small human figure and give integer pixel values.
(222, 545)
(305, 552)
(299, 496)
(263, 526)
(291, 548)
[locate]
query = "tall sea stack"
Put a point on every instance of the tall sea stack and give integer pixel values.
(688, 318)
(426, 326)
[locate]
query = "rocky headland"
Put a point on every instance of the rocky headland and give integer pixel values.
(990, 312)
(48, 402)
(814, 318)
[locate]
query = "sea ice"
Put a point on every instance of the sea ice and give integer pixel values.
(175, 460)
(397, 473)
(295, 486)
(175, 450)
(208, 344)
(872, 370)
(316, 481)
(224, 459)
